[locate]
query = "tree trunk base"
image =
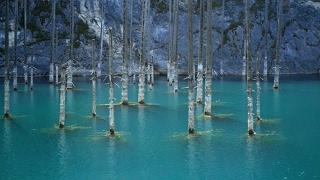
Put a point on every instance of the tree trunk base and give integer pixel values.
(251, 132)
(15, 89)
(94, 115)
(125, 103)
(112, 132)
(191, 131)
(207, 114)
(61, 126)
(141, 102)
(7, 116)
(199, 101)
(275, 87)
(259, 119)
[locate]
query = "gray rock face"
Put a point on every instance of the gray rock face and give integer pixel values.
(300, 49)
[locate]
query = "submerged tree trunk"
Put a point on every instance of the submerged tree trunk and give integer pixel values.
(6, 70)
(258, 91)
(57, 74)
(208, 82)
(175, 46)
(71, 59)
(94, 78)
(222, 39)
(277, 59)
(62, 114)
(25, 64)
(53, 32)
(169, 62)
(142, 62)
(15, 69)
(124, 79)
(266, 45)
(31, 71)
(249, 70)
(111, 93)
(200, 57)
(190, 71)
(101, 43)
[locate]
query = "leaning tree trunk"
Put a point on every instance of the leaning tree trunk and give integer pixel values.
(71, 59)
(249, 71)
(277, 59)
(15, 69)
(124, 79)
(266, 45)
(6, 70)
(175, 47)
(111, 93)
(51, 70)
(62, 115)
(200, 56)
(94, 79)
(190, 72)
(25, 64)
(141, 63)
(208, 82)
(258, 91)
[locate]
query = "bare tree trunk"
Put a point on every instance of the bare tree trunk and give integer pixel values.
(15, 69)
(258, 91)
(266, 45)
(131, 43)
(208, 82)
(142, 56)
(222, 41)
(62, 115)
(25, 64)
(249, 70)
(94, 78)
(244, 61)
(190, 71)
(111, 93)
(31, 70)
(53, 32)
(101, 42)
(200, 56)
(6, 70)
(124, 92)
(70, 61)
(57, 74)
(277, 60)
(175, 47)
(169, 63)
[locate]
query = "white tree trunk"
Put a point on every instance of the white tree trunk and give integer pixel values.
(31, 78)
(190, 72)
(101, 46)
(200, 55)
(125, 79)
(221, 68)
(175, 47)
(62, 114)
(69, 68)
(152, 75)
(15, 78)
(141, 85)
(6, 75)
(6, 96)
(265, 66)
(111, 93)
(244, 66)
(25, 66)
(25, 74)
(51, 71)
(15, 69)
(278, 46)
(69, 75)
(57, 74)
(266, 46)
(258, 98)
(208, 82)
(94, 104)
(51, 79)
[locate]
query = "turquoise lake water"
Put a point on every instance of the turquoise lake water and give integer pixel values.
(154, 142)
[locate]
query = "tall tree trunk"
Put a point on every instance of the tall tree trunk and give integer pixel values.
(222, 39)
(71, 59)
(15, 69)
(249, 70)
(244, 61)
(25, 64)
(266, 45)
(94, 78)
(208, 82)
(142, 62)
(62, 114)
(6, 70)
(175, 47)
(124, 92)
(131, 43)
(31, 70)
(200, 56)
(190, 71)
(53, 32)
(111, 93)
(101, 42)
(169, 62)
(57, 74)
(277, 59)
(258, 91)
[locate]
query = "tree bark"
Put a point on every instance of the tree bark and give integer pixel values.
(71, 59)
(266, 42)
(94, 78)
(62, 114)
(57, 74)
(101, 43)
(141, 83)
(53, 32)
(25, 64)
(200, 56)
(208, 81)
(111, 93)
(258, 91)
(6, 70)
(124, 80)
(175, 47)
(278, 46)
(15, 69)
(191, 128)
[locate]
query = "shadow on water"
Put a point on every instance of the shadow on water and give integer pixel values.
(130, 104)
(269, 137)
(217, 133)
(105, 136)
(66, 129)
(217, 116)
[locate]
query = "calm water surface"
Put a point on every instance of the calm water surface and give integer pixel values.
(154, 143)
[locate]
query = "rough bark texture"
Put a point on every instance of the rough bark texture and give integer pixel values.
(31, 72)
(200, 57)
(190, 71)
(265, 34)
(57, 74)
(70, 62)
(15, 69)
(125, 80)
(6, 76)
(175, 46)
(278, 46)
(62, 114)
(258, 91)
(111, 94)
(142, 62)
(101, 43)
(208, 82)
(25, 62)
(94, 79)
